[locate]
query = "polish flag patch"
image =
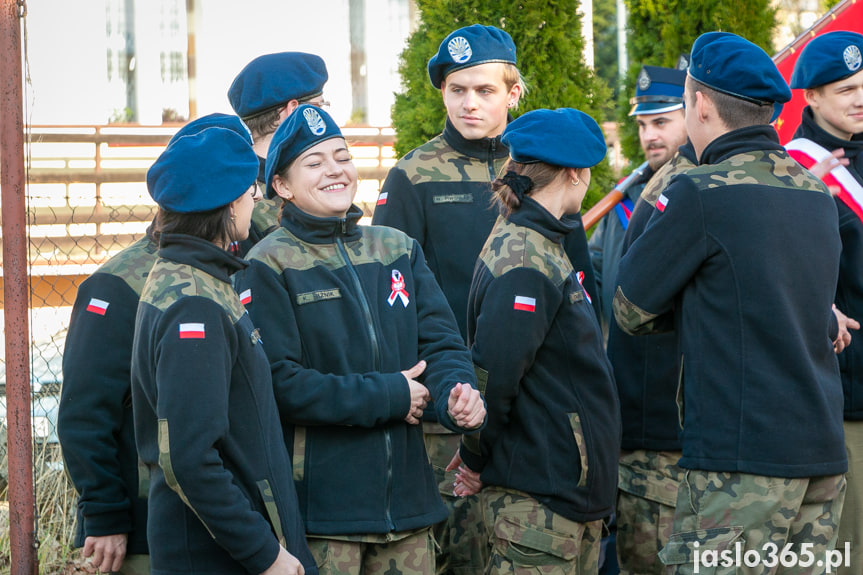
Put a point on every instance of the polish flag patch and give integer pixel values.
(523, 303)
(382, 199)
(661, 202)
(98, 306)
(246, 297)
(191, 331)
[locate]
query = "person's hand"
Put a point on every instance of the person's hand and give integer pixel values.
(285, 564)
(467, 481)
(465, 406)
(846, 323)
(420, 395)
(822, 168)
(106, 552)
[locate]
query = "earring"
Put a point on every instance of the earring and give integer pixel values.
(575, 182)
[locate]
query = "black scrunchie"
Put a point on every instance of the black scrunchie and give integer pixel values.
(520, 185)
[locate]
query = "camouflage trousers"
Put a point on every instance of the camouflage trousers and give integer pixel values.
(462, 539)
(135, 565)
(851, 523)
(530, 539)
(410, 553)
(647, 493)
(720, 514)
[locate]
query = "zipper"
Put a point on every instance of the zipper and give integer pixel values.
(493, 146)
(376, 356)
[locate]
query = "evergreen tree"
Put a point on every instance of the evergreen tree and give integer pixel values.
(547, 35)
(658, 32)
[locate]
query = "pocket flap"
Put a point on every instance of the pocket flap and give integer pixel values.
(681, 547)
(536, 539)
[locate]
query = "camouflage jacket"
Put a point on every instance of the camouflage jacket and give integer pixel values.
(646, 368)
(553, 426)
(440, 195)
(206, 421)
(94, 423)
(343, 309)
(849, 289)
(744, 248)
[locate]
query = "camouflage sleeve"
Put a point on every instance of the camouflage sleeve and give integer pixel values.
(661, 261)
(508, 336)
(399, 206)
(96, 386)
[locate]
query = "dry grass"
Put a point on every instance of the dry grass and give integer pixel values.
(56, 502)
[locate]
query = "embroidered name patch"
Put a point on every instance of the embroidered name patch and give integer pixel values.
(453, 199)
(320, 295)
(576, 296)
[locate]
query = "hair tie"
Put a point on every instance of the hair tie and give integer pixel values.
(520, 185)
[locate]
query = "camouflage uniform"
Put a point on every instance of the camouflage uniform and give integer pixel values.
(759, 397)
(265, 219)
(221, 499)
(440, 195)
(407, 553)
(95, 425)
(527, 537)
(646, 370)
(339, 334)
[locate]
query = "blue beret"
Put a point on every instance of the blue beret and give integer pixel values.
(470, 46)
(828, 58)
(272, 80)
(737, 67)
(565, 137)
(217, 120)
(203, 171)
(658, 90)
(304, 128)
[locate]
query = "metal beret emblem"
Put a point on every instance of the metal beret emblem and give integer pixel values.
(459, 50)
(852, 57)
(643, 80)
(315, 122)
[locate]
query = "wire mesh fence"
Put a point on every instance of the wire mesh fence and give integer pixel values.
(87, 200)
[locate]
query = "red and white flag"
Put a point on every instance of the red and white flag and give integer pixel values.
(191, 331)
(661, 202)
(246, 297)
(98, 306)
(524, 303)
(382, 199)
(580, 277)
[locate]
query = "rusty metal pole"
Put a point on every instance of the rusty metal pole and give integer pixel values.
(22, 502)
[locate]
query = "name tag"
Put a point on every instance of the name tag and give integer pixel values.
(576, 296)
(320, 295)
(453, 199)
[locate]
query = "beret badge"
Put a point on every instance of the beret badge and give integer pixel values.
(459, 49)
(315, 122)
(852, 57)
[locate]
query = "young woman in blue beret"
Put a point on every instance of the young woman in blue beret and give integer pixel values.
(546, 462)
(359, 338)
(221, 499)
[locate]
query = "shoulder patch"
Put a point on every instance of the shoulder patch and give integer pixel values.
(775, 168)
(169, 282)
(660, 180)
(510, 247)
(436, 161)
(133, 264)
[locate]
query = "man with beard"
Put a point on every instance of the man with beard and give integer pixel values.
(658, 110)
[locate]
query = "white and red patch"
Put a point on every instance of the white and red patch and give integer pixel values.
(524, 303)
(191, 331)
(382, 199)
(98, 306)
(662, 202)
(580, 277)
(246, 297)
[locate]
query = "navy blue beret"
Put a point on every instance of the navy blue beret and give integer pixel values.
(658, 90)
(737, 67)
(564, 137)
(470, 46)
(304, 128)
(274, 79)
(203, 171)
(828, 58)
(217, 120)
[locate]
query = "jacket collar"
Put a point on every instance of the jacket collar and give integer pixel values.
(315, 230)
(483, 149)
(531, 214)
(761, 137)
(201, 254)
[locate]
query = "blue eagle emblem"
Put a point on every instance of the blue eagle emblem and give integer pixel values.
(315, 122)
(459, 50)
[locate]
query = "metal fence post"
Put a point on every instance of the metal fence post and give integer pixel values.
(22, 503)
